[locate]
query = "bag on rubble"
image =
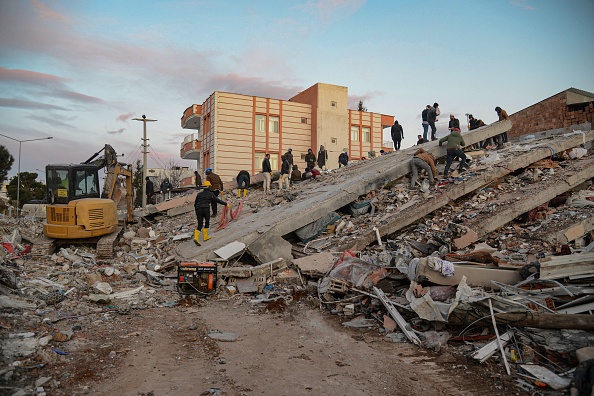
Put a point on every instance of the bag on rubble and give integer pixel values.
(358, 273)
(312, 230)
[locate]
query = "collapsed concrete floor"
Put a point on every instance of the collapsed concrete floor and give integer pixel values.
(70, 319)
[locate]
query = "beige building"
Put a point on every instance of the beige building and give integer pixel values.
(234, 131)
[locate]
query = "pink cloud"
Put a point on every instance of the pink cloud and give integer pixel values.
(124, 117)
(26, 104)
(366, 98)
(255, 86)
(523, 4)
(45, 12)
(49, 121)
(29, 77)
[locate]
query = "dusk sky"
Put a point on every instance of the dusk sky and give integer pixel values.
(80, 70)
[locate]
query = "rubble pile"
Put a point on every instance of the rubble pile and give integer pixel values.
(478, 267)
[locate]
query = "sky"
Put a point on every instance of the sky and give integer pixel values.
(81, 70)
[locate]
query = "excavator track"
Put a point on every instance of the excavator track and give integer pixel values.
(105, 245)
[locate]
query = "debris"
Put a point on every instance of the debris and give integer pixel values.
(546, 376)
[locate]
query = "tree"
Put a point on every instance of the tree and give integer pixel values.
(360, 107)
(30, 188)
(174, 172)
(137, 184)
(6, 161)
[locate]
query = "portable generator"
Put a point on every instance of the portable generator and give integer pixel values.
(196, 277)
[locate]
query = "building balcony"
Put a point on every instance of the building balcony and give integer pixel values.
(191, 148)
(191, 117)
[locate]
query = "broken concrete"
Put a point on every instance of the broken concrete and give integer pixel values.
(266, 231)
(405, 217)
(539, 193)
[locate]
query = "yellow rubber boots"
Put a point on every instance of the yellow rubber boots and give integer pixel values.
(206, 237)
(197, 237)
(238, 192)
(245, 191)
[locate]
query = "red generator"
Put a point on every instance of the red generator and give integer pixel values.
(196, 278)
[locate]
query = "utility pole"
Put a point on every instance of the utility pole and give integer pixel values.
(144, 152)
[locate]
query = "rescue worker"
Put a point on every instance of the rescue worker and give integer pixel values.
(285, 170)
(289, 156)
(310, 159)
(295, 174)
(455, 147)
(216, 186)
(423, 160)
(267, 171)
(204, 199)
(243, 183)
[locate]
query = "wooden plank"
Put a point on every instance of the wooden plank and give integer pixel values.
(489, 350)
(404, 326)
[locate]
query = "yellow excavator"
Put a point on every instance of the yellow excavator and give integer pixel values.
(77, 213)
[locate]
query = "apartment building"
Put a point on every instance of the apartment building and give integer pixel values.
(235, 131)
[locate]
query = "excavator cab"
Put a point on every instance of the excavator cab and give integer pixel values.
(75, 208)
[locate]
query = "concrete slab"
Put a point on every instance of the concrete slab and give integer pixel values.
(230, 250)
(350, 183)
(475, 275)
(316, 264)
(406, 216)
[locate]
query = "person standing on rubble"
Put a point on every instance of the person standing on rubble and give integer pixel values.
(150, 190)
(166, 189)
(422, 160)
(397, 134)
(432, 119)
(289, 156)
(204, 200)
(310, 159)
(473, 124)
(454, 149)
(322, 158)
(502, 114)
(243, 182)
(216, 186)
(267, 172)
(285, 170)
(425, 123)
(453, 123)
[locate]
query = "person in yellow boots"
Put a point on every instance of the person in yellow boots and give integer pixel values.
(243, 182)
(202, 207)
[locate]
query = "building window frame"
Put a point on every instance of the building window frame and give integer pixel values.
(260, 124)
(273, 126)
(354, 133)
(366, 134)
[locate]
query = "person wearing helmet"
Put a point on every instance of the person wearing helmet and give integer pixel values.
(216, 186)
(204, 199)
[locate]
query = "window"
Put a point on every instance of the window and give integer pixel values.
(273, 124)
(303, 120)
(85, 183)
(366, 134)
(260, 124)
(333, 104)
(334, 140)
(354, 133)
(259, 157)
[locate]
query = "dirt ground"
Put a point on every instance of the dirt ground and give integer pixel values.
(294, 350)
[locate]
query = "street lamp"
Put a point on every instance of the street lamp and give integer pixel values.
(144, 121)
(19, 170)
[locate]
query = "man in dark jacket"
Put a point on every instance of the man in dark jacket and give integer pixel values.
(454, 123)
(204, 199)
(150, 190)
(295, 174)
(243, 182)
(216, 186)
(267, 171)
(289, 156)
(310, 159)
(425, 123)
(343, 159)
(474, 123)
(285, 170)
(455, 148)
(166, 189)
(397, 134)
(322, 157)
(432, 118)
(421, 139)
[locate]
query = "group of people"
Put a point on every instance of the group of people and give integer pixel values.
(165, 189)
(454, 143)
(429, 118)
